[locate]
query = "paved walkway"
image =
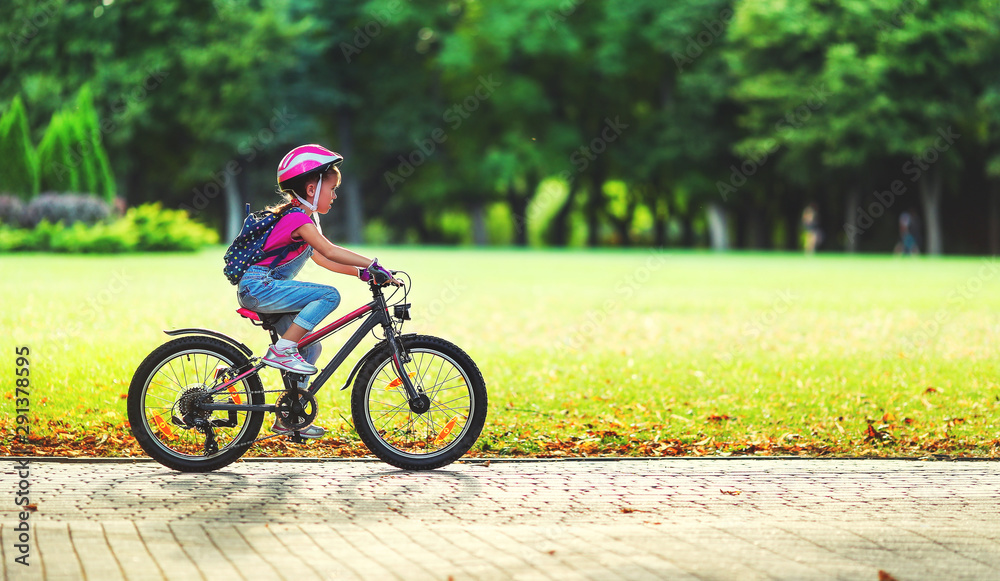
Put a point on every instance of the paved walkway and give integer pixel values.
(661, 519)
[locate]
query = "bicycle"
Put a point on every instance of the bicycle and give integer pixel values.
(197, 403)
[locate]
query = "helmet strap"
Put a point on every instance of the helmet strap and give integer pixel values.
(312, 206)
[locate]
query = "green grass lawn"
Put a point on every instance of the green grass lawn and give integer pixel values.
(608, 352)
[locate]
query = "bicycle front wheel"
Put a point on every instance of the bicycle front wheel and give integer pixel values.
(163, 398)
(420, 441)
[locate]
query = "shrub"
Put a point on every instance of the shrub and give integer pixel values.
(145, 228)
(102, 238)
(19, 167)
(13, 239)
(65, 208)
(11, 210)
(162, 229)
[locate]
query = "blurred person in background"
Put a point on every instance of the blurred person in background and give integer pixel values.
(811, 234)
(908, 230)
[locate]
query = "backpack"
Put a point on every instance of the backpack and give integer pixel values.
(248, 247)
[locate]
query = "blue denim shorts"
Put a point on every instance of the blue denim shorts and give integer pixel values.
(267, 291)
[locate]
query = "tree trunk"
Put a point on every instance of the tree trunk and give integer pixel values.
(930, 197)
(235, 211)
(353, 209)
(659, 230)
(595, 203)
(479, 235)
(851, 220)
(519, 209)
(791, 215)
(687, 230)
(623, 226)
(718, 227)
(994, 220)
(558, 232)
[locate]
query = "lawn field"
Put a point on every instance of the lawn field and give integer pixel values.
(584, 353)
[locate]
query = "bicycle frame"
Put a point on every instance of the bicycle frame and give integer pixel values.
(377, 312)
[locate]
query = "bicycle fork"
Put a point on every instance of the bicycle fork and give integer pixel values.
(419, 402)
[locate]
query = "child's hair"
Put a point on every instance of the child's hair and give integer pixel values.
(297, 185)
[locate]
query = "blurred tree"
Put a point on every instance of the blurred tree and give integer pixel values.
(842, 89)
(504, 69)
(96, 169)
(679, 110)
(649, 112)
(57, 169)
(19, 170)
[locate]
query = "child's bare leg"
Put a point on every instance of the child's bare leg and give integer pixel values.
(294, 333)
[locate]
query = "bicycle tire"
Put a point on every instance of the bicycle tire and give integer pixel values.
(427, 441)
(156, 391)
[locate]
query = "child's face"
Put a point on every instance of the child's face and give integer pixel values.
(327, 193)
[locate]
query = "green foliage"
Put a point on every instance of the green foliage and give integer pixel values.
(479, 103)
(164, 229)
(19, 167)
(146, 228)
(56, 164)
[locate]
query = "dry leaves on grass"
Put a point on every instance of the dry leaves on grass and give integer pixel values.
(58, 439)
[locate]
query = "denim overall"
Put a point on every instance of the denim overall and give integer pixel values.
(266, 290)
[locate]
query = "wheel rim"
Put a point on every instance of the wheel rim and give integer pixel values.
(186, 371)
(434, 432)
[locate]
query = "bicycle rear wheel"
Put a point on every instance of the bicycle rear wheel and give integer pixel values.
(162, 402)
(439, 436)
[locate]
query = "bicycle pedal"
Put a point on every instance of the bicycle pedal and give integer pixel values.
(297, 439)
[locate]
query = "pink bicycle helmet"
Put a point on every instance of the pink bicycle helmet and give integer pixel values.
(307, 159)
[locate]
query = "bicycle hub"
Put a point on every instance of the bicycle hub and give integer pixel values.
(420, 404)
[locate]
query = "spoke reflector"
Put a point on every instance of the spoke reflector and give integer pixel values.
(398, 382)
(236, 396)
(447, 429)
(163, 426)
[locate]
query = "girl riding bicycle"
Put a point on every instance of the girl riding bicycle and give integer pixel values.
(308, 177)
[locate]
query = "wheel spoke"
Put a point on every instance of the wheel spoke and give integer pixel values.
(451, 409)
(433, 432)
(440, 369)
(176, 377)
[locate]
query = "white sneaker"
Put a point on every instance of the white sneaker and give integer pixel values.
(307, 432)
(288, 360)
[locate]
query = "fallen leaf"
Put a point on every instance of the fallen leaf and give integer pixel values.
(877, 435)
(31, 507)
(883, 576)
(931, 390)
(731, 492)
(626, 510)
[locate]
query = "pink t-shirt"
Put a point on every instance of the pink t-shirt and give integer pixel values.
(281, 235)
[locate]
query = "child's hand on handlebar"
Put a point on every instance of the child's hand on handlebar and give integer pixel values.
(380, 274)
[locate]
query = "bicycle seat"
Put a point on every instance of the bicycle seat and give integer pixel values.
(247, 313)
(266, 319)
